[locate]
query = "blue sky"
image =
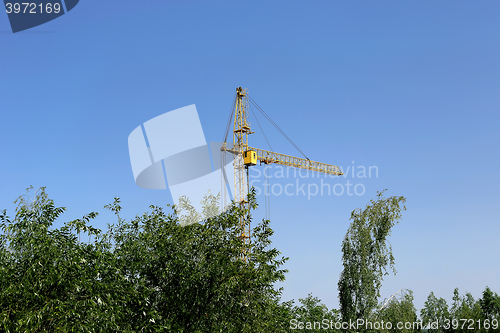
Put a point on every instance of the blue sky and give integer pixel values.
(410, 87)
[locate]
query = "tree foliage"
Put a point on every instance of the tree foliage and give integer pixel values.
(311, 311)
(435, 310)
(160, 272)
(150, 274)
(490, 304)
(50, 281)
(466, 314)
(399, 310)
(366, 256)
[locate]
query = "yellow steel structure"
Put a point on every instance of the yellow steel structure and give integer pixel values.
(268, 157)
(246, 156)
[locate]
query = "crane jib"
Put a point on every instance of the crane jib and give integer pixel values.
(268, 157)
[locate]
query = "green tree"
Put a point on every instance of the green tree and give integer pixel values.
(149, 274)
(312, 316)
(435, 313)
(482, 315)
(366, 256)
(490, 305)
(51, 281)
(399, 311)
(464, 311)
(194, 274)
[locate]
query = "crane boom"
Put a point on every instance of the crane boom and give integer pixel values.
(268, 157)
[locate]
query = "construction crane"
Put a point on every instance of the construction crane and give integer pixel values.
(246, 156)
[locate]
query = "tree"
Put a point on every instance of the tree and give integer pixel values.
(435, 314)
(51, 281)
(149, 274)
(480, 315)
(366, 256)
(398, 310)
(465, 308)
(312, 316)
(490, 305)
(193, 274)
(465, 314)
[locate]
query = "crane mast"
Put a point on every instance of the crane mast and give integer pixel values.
(241, 129)
(246, 156)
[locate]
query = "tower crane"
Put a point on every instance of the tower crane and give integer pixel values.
(246, 156)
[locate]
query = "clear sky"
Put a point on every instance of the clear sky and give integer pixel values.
(410, 88)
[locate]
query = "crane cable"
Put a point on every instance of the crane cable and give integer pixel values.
(277, 127)
(267, 183)
(265, 137)
(230, 118)
(223, 184)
